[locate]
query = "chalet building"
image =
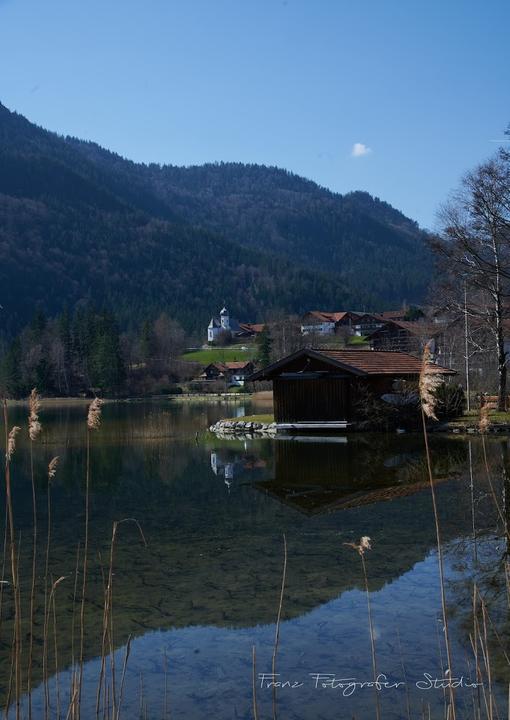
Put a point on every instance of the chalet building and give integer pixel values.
(394, 314)
(326, 323)
(407, 336)
(322, 386)
(233, 373)
(227, 325)
(319, 322)
(366, 324)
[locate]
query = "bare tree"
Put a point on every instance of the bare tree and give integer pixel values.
(169, 336)
(475, 242)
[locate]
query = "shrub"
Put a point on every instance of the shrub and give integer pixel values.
(451, 401)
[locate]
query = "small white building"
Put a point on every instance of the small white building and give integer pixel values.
(226, 324)
(218, 325)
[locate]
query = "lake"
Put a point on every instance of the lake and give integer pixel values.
(196, 599)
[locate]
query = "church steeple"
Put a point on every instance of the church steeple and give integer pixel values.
(224, 319)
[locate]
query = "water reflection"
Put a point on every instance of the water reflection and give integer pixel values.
(234, 465)
(206, 588)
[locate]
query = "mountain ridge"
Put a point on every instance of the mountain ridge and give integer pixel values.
(80, 222)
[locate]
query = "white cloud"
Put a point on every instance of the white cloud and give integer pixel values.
(360, 149)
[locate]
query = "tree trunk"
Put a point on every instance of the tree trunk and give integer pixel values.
(506, 491)
(500, 342)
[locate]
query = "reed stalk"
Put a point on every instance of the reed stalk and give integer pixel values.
(34, 430)
(123, 677)
(165, 695)
(10, 446)
(278, 621)
(47, 698)
(84, 573)
(93, 423)
(254, 683)
(32, 588)
(492, 489)
(107, 633)
(52, 611)
(429, 382)
(361, 548)
(72, 699)
(3, 581)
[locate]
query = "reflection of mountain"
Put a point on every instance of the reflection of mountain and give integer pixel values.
(325, 477)
(215, 558)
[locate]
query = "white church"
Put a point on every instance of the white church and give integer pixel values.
(225, 324)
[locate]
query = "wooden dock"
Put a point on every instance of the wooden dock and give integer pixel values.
(313, 426)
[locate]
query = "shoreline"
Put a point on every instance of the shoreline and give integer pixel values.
(257, 398)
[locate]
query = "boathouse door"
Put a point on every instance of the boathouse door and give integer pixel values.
(311, 399)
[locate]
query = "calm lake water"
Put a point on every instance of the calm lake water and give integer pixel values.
(205, 589)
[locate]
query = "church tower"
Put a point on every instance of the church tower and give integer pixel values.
(224, 319)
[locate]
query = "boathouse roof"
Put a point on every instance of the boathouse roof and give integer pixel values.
(361, 363)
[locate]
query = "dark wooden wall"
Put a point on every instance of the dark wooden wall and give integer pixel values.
(311, 399)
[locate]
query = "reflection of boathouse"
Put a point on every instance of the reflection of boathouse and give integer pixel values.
(317, 478)
(324, 385)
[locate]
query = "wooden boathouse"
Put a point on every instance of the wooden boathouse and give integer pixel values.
(312, 387)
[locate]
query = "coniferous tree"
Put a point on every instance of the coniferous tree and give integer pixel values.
(264, 344)
(147, 341)
(106, 365)
(10, 371)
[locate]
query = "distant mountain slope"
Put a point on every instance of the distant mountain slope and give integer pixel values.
(79, 222)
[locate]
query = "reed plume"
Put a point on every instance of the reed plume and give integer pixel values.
(52, 467)
(484, 420)
(94, 414)
(34, 426)
(11, 443)
(429, 382)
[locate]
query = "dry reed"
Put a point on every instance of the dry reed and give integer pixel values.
(10, 445)
(428, 384)
(34, 430)
(361, 548)
(93, 423)
(278, 620)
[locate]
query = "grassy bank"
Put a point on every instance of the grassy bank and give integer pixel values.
(228, 354)
(262, 418)
(472, 418)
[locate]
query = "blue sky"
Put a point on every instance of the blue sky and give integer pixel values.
(294, 83)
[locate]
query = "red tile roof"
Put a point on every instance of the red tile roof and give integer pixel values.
(392, 314)
(380, 362)
(234, 365)
(358, 362)
(414, 327)
(329, 316)
(252, 327)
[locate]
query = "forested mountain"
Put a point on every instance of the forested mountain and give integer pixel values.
(80, 223)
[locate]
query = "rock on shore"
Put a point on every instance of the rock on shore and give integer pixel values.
(237, 428)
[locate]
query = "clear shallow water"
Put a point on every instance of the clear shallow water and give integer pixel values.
(205, 590)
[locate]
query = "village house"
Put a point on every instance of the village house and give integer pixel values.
(323, 386)
(366, 324)
(350, 322)
(226, 326)
(319, 322)
(408, 336)
(232, 373)
(394, 314)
